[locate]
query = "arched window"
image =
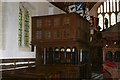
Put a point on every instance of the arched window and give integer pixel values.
(107, 16)
(49, 55)
(56, 56)
(62, 49)
(20, 28)
(23, 27)
(100, 21)
(113, 19)
(105, 7)
(68, 50)
(98, 10)
(114, 7)
(56, 49)
(111, 6)
(101, 8)
(118, 17)
(68, 55)
(110, 11)
(73, 49)
(118, 4)
(26, 28)
(75, 55)
(62, 55)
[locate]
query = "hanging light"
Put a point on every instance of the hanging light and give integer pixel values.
(106, 45)
(115, 43)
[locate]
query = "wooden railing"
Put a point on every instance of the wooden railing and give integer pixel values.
(11, 64)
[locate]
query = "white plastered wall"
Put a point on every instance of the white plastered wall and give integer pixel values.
(0, 26)
(9, 30)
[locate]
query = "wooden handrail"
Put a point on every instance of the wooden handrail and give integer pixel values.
(16, 63)
(17, 60)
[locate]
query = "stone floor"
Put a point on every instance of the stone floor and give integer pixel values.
(97, 76)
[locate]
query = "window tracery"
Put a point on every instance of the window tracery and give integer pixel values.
(23, 27)
(109, 10)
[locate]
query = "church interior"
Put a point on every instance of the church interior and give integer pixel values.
(60, 40)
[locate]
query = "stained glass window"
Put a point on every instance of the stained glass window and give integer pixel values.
(23, 27)
(26, 28)
(20, 28)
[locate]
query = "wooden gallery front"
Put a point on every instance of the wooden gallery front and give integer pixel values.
(62, 45)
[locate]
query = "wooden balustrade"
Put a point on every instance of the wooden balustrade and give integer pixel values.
(11, 64)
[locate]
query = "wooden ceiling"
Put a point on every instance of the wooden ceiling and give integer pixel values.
(64, 5)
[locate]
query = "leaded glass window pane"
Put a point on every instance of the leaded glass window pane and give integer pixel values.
(20, 28)
(26, 28)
